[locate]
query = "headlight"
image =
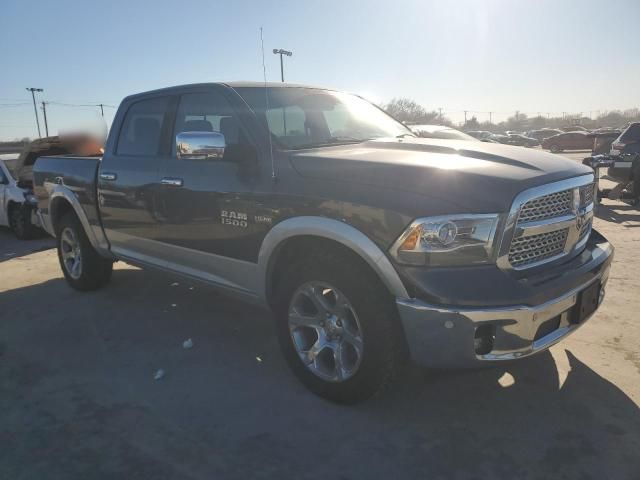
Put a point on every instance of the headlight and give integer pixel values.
(448, 240)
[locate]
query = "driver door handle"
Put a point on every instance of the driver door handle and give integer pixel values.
(172, 181)
(108, 176)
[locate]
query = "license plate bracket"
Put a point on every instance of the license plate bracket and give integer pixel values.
(587, 302)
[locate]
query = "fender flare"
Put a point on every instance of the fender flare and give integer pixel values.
(330, 229)
(58, 193)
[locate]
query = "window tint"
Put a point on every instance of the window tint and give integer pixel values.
(208, 112)
(140, 134)
(3, 177)
(286, 121)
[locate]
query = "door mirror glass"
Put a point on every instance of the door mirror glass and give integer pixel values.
(200, 145)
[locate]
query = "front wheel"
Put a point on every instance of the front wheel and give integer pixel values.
(555, 149)
(338, 328)
(83, 268)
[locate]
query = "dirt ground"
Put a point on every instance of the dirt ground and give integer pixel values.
(78, 397)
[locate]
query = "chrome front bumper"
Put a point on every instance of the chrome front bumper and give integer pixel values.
(445, 337)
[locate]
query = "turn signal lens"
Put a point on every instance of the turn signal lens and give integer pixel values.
(411, 241)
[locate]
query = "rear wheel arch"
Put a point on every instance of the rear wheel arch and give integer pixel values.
(59, 207)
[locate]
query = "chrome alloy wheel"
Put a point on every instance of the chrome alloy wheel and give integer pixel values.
(71, 254)
(325, 331)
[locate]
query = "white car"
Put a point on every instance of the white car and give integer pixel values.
(17, 205)
(441, 131)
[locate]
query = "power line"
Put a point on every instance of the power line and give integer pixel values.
(84, 105)
(14, 104)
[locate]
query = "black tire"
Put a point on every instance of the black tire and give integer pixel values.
(95, 271)
(20, 222)
(555, 149)
(383, 347)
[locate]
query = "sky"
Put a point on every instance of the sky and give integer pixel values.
(547, 56)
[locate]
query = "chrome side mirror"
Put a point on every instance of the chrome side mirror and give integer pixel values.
(200, 146)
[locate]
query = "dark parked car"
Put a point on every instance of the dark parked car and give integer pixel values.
(574, 128)
(602, 141)
(517, 139)
(366, 242)
(568, 141)
(628, 141)
(480, 134)
(543, 133)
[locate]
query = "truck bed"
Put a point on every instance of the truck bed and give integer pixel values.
(78, 174)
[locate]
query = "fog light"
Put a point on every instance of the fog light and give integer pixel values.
(483, 340)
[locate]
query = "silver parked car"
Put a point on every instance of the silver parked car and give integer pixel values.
(17, 205)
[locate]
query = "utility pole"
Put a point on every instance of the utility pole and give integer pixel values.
(101, 109)
(490, 115)
(44, 113)
(35, 110)
(440, 113)
(281, 52)
(465, 117)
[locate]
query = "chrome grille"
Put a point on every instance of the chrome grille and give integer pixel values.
(585, 230)
(586, 194)
(548, 206)
(555, 222)
(534, 248)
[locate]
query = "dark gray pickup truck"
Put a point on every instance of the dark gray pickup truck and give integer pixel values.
(366, 242)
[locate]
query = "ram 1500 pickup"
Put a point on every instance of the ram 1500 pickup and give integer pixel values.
(365, 241)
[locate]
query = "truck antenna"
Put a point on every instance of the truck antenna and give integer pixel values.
(266, 98)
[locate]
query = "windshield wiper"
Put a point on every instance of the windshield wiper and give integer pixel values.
(402, 135)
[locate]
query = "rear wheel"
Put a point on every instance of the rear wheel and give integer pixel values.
(20, 222)
(338, 328)
(83, 268)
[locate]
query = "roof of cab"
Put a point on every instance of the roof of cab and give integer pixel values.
(239, 84)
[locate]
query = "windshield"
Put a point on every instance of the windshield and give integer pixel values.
(299, 117)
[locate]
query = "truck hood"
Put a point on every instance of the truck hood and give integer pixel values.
(480, 176)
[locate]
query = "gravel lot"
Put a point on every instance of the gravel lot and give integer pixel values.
(78, 398)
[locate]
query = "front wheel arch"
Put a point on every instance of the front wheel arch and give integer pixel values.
(333, 232)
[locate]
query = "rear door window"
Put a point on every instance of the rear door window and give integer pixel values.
(142, 127)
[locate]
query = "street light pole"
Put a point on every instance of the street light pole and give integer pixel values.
(281, 52)
(35, 110)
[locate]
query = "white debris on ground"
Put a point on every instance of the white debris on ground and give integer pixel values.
(175, 284)
(187, 344)
(159, 374)
(259, 359)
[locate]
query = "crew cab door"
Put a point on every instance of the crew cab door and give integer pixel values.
(207, 206)
(129, 179)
